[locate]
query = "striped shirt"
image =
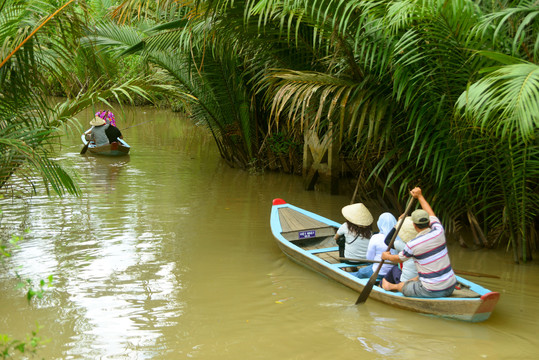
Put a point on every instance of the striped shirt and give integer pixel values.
(429, 252)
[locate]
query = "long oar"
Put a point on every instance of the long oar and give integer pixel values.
(364, 261)
(471, 273)
(138, 124)
(367, 289)
(456, 271)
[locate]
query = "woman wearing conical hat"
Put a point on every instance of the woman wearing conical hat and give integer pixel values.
(97, 133)
(356, 230)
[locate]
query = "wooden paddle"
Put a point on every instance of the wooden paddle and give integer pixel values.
(367, 289)
(364, 261)
(83, 151)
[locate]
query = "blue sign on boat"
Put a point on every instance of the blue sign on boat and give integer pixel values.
(307, 234)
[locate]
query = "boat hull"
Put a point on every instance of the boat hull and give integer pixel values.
(119, 148)
(467, 309)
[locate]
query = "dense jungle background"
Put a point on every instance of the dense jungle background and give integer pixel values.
(441, 94)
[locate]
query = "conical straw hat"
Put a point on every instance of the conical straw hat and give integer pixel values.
(407, 231)
(97, 121)
(357, 214)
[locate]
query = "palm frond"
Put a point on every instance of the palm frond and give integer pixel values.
(515, 27)
(505, 101)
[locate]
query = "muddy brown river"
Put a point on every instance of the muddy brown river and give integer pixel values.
(168, 254)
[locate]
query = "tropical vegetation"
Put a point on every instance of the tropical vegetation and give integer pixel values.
(441, 94)
(437, 93)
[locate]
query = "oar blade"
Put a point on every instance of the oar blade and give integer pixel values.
(367, 289)
(364, 295)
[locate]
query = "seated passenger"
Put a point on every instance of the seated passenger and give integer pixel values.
(113, 133)
(356, 230)
(109, 118)
(377, 246)
(429, 252)
(407, 270)
(97, 133)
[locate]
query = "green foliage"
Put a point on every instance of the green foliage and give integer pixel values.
(400, 76)
(5, 249)
(420, 91)
(279, 143)
(28, 126)
(31, 290)
(10, 347)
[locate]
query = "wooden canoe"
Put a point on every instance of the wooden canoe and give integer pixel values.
(307, 238)
(114, 149)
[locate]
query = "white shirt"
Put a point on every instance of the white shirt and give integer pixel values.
(353, 249)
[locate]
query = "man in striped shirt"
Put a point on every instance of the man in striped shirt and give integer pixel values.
(429, 252)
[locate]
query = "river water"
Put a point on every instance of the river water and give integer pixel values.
(168, 255)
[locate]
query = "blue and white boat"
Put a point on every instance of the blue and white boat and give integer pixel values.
(308, 239)
(118, 148)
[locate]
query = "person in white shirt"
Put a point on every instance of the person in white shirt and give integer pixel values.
(356, 230)
(407, 270)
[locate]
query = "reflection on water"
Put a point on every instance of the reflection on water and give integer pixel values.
(168, 255)
(105, 171)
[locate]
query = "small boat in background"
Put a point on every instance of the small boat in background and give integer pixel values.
(118, 148)
(308, 239)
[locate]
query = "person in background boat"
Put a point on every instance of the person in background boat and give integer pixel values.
(97, 133)
(113, 133)
(356, 230)
(429, 252)
(403, 271)
(377, 246)
(108, 116)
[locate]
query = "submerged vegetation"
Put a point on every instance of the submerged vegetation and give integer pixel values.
(442, 94)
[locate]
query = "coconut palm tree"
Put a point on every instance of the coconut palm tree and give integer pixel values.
(27, 126)
(501, 112)
(214, 59)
